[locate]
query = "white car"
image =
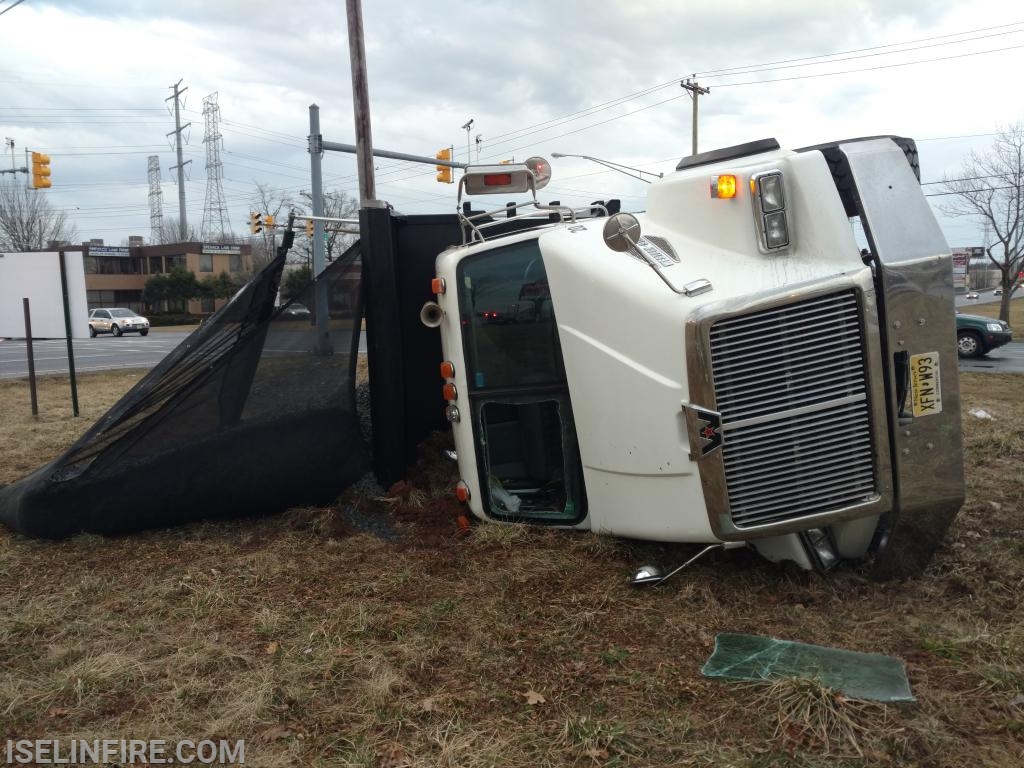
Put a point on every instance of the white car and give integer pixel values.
(971, 295)
(117, 321)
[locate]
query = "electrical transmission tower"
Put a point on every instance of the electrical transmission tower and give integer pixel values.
(215, 212)
(156, 201)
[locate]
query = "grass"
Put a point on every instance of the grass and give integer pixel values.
(991, 309)
(323, 646)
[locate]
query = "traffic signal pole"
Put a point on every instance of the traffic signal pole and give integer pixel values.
(323, 340)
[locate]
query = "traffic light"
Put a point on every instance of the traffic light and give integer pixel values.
(40, 171)
(444, 172)
(309, 227)
(268, 221)
(255, 224)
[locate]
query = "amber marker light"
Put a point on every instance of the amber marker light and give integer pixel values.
(447, 370)
(437, 285)
(724, 186)
(449, 392)
(462, 491)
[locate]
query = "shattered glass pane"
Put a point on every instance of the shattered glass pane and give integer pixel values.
(870, 676)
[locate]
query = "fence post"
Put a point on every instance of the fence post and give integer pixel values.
(67, 332)
(31, 357)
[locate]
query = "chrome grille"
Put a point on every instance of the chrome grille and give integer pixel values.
(791, 387)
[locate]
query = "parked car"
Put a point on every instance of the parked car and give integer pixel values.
(977, 336)
(117, 320)
(295, 311)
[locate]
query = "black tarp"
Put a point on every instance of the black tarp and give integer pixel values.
(249, 415)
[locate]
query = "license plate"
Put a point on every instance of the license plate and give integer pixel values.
(924, 384)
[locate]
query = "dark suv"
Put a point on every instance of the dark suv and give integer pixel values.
(976, 336)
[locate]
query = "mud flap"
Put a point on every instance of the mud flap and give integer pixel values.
(914, 283)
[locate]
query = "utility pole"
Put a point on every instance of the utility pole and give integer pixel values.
(466, 127)
(361, 105)
(178, 128)
(695, 90)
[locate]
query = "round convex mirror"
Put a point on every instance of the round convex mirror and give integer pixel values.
(621, 231)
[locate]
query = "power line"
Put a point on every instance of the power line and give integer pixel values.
(85, 109)
(969, 191)
(9, 7)
(871, 69)
(789, 63)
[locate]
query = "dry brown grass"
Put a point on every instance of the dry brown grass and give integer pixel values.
(991, 309)
(26, 441)
(509, 646)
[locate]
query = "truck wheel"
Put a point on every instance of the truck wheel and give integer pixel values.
(840, 169)
(115, 330)
(968, 344)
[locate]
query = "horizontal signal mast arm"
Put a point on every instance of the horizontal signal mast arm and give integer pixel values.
(351, 148)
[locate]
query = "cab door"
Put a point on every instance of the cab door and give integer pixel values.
(524, 434)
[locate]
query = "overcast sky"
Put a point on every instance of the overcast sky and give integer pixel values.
(86, 82)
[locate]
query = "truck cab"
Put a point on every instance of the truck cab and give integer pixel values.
(724, 368)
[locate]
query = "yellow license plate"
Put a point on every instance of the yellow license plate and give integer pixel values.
(924, 384)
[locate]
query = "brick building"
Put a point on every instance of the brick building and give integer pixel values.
(116, 275)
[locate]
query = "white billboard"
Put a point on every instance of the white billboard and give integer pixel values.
(36, 276)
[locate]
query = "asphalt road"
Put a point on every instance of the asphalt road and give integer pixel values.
(106, 353)
(984, 297)
(1007, 359)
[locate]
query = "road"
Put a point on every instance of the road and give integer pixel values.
(106, 353)
(984, 297)
(1006, 359)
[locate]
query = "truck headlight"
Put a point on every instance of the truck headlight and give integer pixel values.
(773, 197)
(994, 326)
(776, 230)
(770, 213)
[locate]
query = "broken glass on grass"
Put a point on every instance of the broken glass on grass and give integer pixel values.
(871, 676)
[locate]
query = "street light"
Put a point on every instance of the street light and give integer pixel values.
(614, 166)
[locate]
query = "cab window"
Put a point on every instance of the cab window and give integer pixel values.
(507, 319)
(527, 455)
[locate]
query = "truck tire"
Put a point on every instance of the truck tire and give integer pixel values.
(840, 168)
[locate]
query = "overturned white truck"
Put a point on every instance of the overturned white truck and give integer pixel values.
(729, 367)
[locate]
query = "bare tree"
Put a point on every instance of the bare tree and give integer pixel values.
(267, 200)
(989, 187)
(170, 232)
(28, 222)
(337, 205)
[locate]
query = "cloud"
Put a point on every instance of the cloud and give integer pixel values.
(535, 76)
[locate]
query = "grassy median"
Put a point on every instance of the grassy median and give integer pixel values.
(503, 646)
